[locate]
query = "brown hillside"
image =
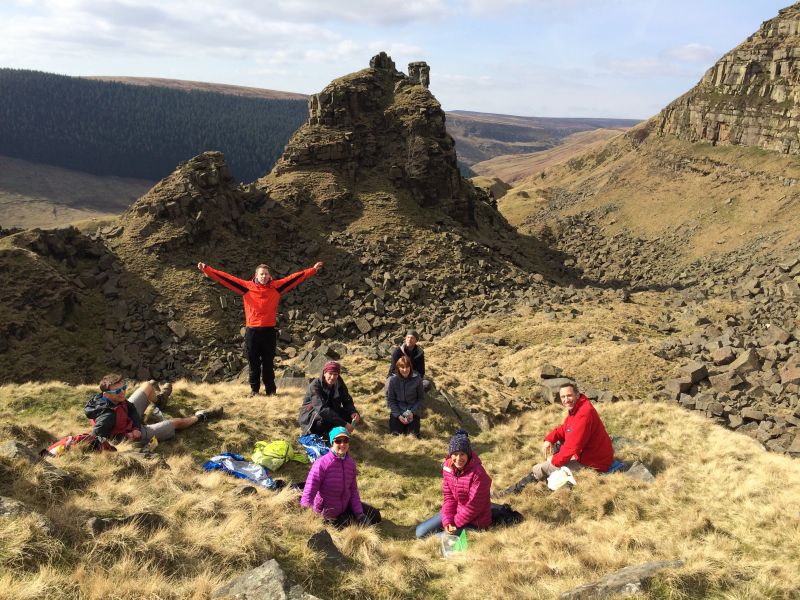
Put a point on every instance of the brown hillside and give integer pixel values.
(202, 86)
(369, 186)
(515, 167)
(36, 195)
(483, 136)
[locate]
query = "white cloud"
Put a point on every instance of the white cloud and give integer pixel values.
(693, 52)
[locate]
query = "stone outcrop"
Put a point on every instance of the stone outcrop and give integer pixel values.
(198, 200)
(750, 96)
(629, 581)
(266, 582)
(381, 123)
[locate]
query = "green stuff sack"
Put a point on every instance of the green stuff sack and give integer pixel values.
(461, 544)
(273, 455)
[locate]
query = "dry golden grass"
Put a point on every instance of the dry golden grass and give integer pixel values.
(513, 168)
(37, 195)
(720, 503)
(721, 196)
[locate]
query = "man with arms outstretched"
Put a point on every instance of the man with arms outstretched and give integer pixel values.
(261, 295)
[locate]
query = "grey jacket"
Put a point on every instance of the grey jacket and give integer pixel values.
(405, 394)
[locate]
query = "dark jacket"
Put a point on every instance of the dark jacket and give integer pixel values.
(109, 419)
(330, 406)
(405, 394)
(417, 356)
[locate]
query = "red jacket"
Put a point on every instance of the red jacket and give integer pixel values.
(583, 436)
(260, 301)
(466, 494)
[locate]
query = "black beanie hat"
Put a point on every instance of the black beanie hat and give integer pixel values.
(460, 443)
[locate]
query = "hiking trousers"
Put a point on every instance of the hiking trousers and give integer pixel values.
(260, 344)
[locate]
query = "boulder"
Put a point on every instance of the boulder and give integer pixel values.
(696, 371)
(52, 474)
(265, 582)
(747, 362)
(323, 542)
(629, 581)
(751, 414)
(11, 508)
(146, 520)
(550, 387)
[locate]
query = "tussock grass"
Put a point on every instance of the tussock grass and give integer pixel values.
(719, 502)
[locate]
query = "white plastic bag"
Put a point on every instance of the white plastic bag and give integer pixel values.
(560, 478)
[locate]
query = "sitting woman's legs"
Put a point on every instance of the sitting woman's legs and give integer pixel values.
(430, 526)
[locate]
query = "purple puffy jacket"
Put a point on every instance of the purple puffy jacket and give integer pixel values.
(331, 486)
(466, 494)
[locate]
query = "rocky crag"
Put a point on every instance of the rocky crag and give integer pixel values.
(750, 96)
(380, 122)
(369, 185)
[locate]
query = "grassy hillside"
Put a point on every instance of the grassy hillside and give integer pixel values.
(714, 497)
(37, 195)
(483, 136)
(719, 199)
(512, 168)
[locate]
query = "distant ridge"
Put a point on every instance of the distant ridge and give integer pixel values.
(187, 85)
(483, 136)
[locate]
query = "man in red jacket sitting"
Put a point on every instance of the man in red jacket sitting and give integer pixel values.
(261, 295)
(583, 438)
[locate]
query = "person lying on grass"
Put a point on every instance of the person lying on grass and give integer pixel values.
(115, 417)
(331, 489)
(583, 438)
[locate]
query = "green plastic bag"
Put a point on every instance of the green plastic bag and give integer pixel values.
(273, 455)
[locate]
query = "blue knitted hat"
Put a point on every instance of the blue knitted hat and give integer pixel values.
(337, 431)
(460, 443)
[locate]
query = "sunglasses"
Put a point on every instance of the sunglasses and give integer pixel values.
(119, 390)
(342, 440)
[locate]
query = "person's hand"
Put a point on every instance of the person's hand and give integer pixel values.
(349, 427)
(450, 528)
(355, 418)
(135, 435)
(547, 449)
(318, 266)
(402, 419)
(201, 266)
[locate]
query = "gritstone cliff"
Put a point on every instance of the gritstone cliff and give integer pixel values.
(750, 96)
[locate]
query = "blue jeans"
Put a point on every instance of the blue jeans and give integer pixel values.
(434, 524)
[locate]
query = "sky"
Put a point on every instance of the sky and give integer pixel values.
(544, 58)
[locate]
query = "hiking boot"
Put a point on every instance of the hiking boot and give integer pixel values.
(252, 394)
(516, 488)
(163, 395)
(152, 414)
(209, 413)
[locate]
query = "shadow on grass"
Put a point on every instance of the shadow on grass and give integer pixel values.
(393, 531)
(409, 465)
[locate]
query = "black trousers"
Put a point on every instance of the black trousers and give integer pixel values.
(397, 428)
(260, 344)
(348, 518)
